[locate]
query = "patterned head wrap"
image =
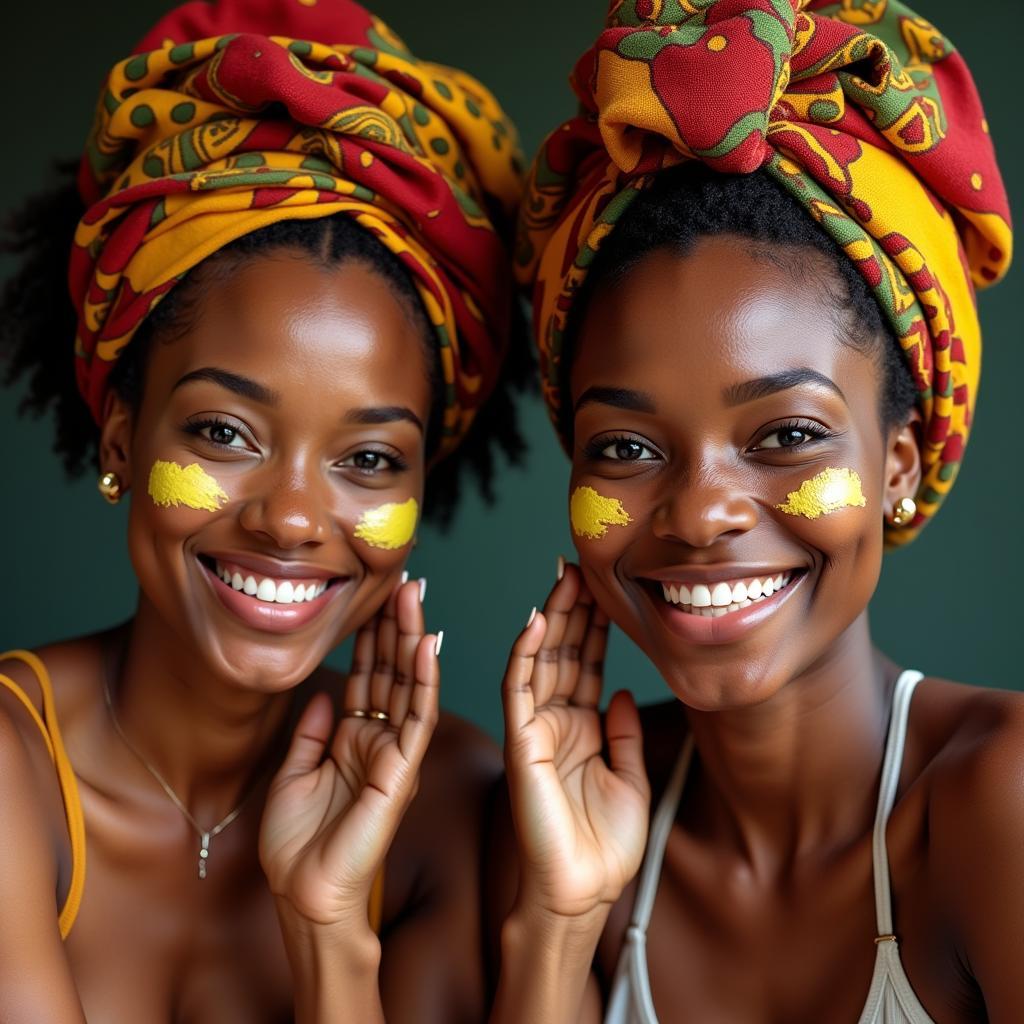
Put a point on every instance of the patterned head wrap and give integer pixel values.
(236, 114)
(859, 109)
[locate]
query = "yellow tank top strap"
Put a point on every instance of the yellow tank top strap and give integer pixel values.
(65, 774)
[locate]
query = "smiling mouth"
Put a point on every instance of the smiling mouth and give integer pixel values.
(267, 589)
(713, 600)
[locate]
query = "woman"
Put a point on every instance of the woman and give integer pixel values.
(291, 296)
(754, 254)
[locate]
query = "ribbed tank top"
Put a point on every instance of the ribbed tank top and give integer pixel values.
(890, 999)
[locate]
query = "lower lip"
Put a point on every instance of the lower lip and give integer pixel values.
(725, 629)
(270, 618)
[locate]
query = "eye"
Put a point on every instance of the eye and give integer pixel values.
(220, 433)
(792, 435)
(626, 449)
(370, 462)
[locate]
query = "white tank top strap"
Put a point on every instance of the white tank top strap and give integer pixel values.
(891, 766)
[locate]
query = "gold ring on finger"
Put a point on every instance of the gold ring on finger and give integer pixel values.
(356, 713)
(380, 716)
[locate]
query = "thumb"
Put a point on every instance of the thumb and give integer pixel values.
(625, 742)
(309, 739)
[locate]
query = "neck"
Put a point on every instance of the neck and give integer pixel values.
(210, 742)
(798, 775)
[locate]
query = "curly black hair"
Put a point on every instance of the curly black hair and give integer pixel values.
(689, 202)
(38, 322)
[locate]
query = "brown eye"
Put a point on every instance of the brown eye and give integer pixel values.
(627, 450)
(223, 434)
(371, 462)
(792, 436)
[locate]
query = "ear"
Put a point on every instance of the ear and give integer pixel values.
(116, 439)
(903, 462)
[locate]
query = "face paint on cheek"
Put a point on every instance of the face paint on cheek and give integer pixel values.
(389, 526)
(591, 514)
(829, 491)
(171, 485)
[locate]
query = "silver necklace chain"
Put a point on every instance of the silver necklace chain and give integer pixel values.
(205, 835)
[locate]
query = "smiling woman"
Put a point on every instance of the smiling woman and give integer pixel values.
(290, 305)
(754, 255)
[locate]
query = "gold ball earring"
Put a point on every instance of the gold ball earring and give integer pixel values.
(904, 511)
(109, 485)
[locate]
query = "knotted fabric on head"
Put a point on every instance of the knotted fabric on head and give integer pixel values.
(861, 110)
(236, 114)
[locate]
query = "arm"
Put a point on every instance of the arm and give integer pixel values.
(579, 820)
(35, 977)
(335, 805)
(977, 813)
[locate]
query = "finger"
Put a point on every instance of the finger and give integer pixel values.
(625, 741)
(517, 695)
(357, 687)
(557, 609)
(384, 657)
(309, 741)
(421, 718)
(569, 649)
(410, 633)
(592, 653)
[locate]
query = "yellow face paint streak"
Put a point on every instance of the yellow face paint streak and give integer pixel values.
(829, 491)
(389, 526)
(591, 514)
(173, 485)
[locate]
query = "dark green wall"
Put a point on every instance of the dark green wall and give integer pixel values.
(947, 605)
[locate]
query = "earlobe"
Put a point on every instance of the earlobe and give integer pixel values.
(115, 440)
(903, 464)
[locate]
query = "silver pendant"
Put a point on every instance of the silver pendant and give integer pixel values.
(204, 853)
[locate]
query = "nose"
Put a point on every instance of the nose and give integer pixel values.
(291, 509)
(704, 507)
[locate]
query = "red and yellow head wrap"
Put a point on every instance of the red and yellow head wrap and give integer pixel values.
(860, 109)
(236, 114)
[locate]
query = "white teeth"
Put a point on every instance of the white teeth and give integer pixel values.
(285, 590)
(237, 582)
(249, 587)
(754, 590)
(310, 592)
(701, 596)
(778, 581)
(721, 596)
(714, 600)
(685, 597)
(673, 593)
(768, 587)
(266, 591)
(746, 604)
(299, 595)
(739, 592)
(717, 613)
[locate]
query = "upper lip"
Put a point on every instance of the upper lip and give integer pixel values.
(716, 573)
(273, 567)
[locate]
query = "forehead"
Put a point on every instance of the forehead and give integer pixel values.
(723, 313)
(338, 335)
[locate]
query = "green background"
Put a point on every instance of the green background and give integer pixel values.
(947, 605)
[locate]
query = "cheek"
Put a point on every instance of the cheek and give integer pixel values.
(172, 485)
(388, 527)
(824, 494)
(592, 514)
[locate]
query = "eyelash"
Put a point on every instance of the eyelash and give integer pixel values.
(815, 431)
(196, 428)
(595, 449)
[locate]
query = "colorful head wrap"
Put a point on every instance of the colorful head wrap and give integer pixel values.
(859, 109)
(236, 114)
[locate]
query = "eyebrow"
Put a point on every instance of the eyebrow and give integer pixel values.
(384, 414)
(244, 386)
(761, 387)
(620, 398)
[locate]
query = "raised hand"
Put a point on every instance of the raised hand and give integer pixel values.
(337, 800)
(580, 821)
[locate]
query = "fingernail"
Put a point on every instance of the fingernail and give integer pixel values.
(423, 588)
(561, 567)
(438, 642)
(533, 615)
(405, 575)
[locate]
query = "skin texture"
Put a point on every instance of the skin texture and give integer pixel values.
(765, 909)
(278, 930)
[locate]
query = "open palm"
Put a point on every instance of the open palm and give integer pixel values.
(336, 802)
(580, 820)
